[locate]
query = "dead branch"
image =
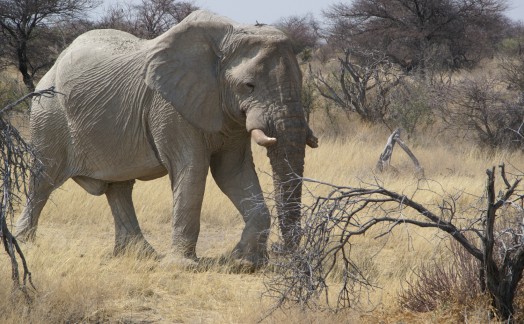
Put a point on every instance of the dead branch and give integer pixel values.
(493, 236)
(49, 92)
(385, 157)
(17, 163)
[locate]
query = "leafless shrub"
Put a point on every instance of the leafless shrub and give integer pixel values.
(303, 32)
(438, 283)
(322, 260)
(480, 108)
(360, 85)
(147, 19)
(17, 163)
(345, 212)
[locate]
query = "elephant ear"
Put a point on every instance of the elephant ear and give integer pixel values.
(183, 66)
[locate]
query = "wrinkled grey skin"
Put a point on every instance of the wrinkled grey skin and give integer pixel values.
(180, 104)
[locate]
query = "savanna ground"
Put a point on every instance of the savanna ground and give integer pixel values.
(78, 280)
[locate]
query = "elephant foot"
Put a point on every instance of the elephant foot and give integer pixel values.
(245, 266)
(179, 262)
(137, 245)
(184, 249)
(249, 257)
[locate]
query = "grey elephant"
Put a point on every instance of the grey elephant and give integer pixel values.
(180, 104)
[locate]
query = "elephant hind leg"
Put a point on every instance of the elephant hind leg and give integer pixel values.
(39, 191)
(127, 230)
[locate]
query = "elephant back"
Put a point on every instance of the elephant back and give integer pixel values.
(106, 41)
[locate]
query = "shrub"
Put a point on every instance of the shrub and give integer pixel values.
(440, 283)
(411, 106)
(482, 109)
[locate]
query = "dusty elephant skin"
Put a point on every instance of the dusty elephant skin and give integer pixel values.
(180, 104)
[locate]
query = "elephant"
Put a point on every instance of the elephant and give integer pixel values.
(186, 102)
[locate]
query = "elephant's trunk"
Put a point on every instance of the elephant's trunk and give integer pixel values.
(287, 161)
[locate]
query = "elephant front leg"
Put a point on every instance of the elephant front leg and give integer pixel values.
(235, 174)
(188, 194)
(127, 229)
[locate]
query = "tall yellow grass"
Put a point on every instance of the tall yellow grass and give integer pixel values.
(78, 280)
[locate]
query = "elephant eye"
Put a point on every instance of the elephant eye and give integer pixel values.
(251, 87)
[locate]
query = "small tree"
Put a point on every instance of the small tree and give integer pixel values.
(361, 84)
(149, 18)
(24, 23)
(309, 95)
(412, 105)
(514, 74)
(119, 17)
(419, 33)
(154, 17)
(483, 109)
(303, 32)
(493, 235)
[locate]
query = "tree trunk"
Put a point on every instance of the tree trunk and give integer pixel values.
(501, 281)
(23, 64)
(503, 294)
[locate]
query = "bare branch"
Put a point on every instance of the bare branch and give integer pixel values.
(18, 162)
(47, 93)
(361, 84)
(333, 219)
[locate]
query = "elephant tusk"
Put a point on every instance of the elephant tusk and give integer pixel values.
(262, 139)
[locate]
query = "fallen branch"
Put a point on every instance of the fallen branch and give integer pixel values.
(385, 157)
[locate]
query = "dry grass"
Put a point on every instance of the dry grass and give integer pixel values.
(78, 280)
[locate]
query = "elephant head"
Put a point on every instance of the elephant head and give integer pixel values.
(237, 79)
